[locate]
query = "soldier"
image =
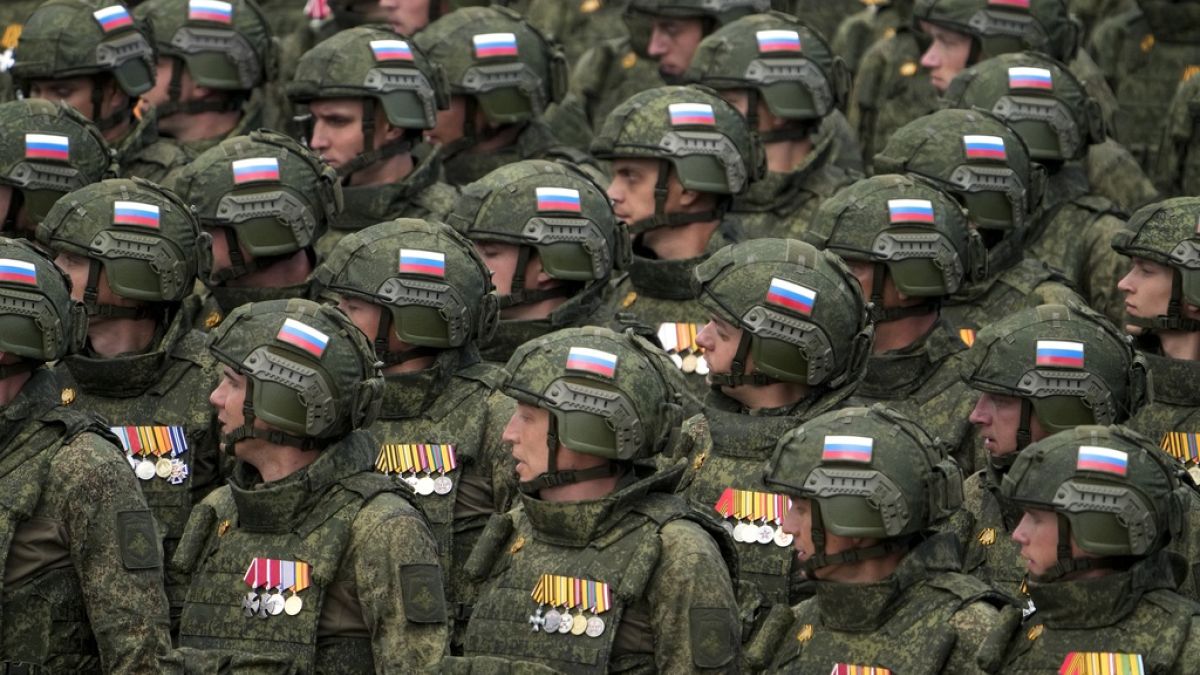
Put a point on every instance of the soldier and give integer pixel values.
(786, 340)
(879, 20)
(1050, 110)
(13, 15)
(440, 424)
(307, 561)
(1176, 171)
(265, 200)
(551, 241)
(986, 166)
(1037, 372)
(369, 95)
(83, 567)
(672, 191)
(214, 56)
(783, 78)
(1099, 505)
(133, 252)
(866, 489)
(910, 246)
(622, 574)
(46, 151)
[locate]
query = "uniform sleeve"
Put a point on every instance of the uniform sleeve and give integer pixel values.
(693, 608)
(1177, 135)
(116, 552)
(399, 586)
(972, 624)
(1105, 267)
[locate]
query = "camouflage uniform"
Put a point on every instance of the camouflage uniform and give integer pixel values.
(1177, 172)
(155, 401)
(925, 617)
(375, 602)
(800, 81)
(13, 15)
(823, 15)
(1106, 388)
(672, 607)
(1132, 616)
(824, 348)
(928, 255)
(879, 20)
(986, 165)
(82, 567)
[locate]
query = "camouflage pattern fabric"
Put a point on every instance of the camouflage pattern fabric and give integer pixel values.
(823, 15)
(576, 24)
(877, 21)
(985, 530)
(1175, 405)
(536, 141)
(607, 74)
(1177, 171)
(253, 117)
(890, 90)
(142, 154)
(12, 18)
(1027, 284)
(1092, 12)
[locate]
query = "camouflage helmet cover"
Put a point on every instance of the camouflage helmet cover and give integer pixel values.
(1168, 233)
(226, 44)
(1004, 26)
(39, 321)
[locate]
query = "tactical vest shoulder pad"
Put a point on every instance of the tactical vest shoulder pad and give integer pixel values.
(368, 484)
(159, 153)
(489, 374)
(1031, 273)
(664, 508)
(205, 522)
(1097, 204)
(967, 589)
(487, 548)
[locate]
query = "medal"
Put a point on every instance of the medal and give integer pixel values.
(702, 366)
(303, 576)
(411, 479)
(424, 485)
(595, 627)
(275, 604)
(250, 603)
(293, 605)
(578, 625)
(145, 470)
(163, 468)
(565, 626)
(552, 622)
(677, 360)
(442, 485)
(783, 539)
(689, 363)
(179, 472)
(142, 443)
(766, 534)
(537, 620)
(416, 463)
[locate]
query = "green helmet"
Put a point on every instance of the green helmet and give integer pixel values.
(775, 57)
(982, 162)
(39, 322)
(1168, 233)
(437, 291)
(1068, 365)
(226, 45)
(75, 38)
(310, 373)
(691, 130)
(499, 61)
(640, 14)
(346, 13)
(1038, 97)
(801, 312)
(144, 238)
(913, 232)
(47, 150)
(612, 395)
(894, 495)
(1004, 26)
(1115, 494)
(270, 195)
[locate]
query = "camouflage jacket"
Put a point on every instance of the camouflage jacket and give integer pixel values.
(890, 90)
(923, 383)
(82, 585)
(1029, 283)
(141, 154)
(1177, 170)
(823, 15)
(1173, 412)
(606, 75)
(512, 333)
(375, 603)
(673, 607)
(13, 15)
(1135, 613)
(253, 117)
(217, 301)
(925, 618)
(991, 555)
(536, 141)
(1115, 174)
(877, 21)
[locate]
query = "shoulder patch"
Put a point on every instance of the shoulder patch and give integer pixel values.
(712, 635)
(421, 588)
(138, 538)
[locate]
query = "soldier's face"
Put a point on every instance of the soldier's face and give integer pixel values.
(798, 523)
(337, 129)
(1037, 534)
(1147, 288)
(947, 55)
(365, 315)
(632, 193)
(720, 339)
(502, 259)
(996, 418)
(220, 250)
(673, 41)
(865, 273)
(227, 400)
(450, 122)
(74, 91)
(526, 432)
(406, 16)
(740, 99)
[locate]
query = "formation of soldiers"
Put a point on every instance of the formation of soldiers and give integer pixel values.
(533, 336)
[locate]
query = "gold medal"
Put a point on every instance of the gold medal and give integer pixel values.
(293, 605)
(578, 625)
(163, 467)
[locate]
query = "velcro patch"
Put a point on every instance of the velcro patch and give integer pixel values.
(421, 589)
(141, 548)
(712, 635)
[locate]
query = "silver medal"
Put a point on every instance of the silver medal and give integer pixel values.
(783, 539)
(442, 485)
(595, 627)
(765, 534)
(250, 603)
(424, 485)
(740, 532)
(702, 366)
(411, 479)
(275, 604)
(145, 470)
(553, 619)
(566, 623)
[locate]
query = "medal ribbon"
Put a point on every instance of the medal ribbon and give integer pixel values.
(303, 577)
(449, 457)
(273, 573)
(724, 505)
(256, 573)
(287, 574)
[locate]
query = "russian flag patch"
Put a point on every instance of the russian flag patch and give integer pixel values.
(1030, 78)
(558, 199)
(984, 147)
(135, 213)
(692, 114)
(1104, 460)
(788, 295)
(112, 18)
(1060, 353)
(18, 271)
(303, 336)
(47, 146)
(592, 361)
(215, 11)
(255, 169)
(391, 50)
(848, 449)
(493, 45)
(910, 211)
(429, 263)
(775, 41)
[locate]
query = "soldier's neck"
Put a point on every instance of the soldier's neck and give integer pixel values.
(1181, 346)
(902, 333)
(114, 135)
(274, 462)
(868, 571)
(680, 243)
(384, 172)
(113, 337)
(785, 156)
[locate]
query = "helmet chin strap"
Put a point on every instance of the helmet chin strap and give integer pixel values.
(275, 436)
(391, 358)
(392, 148)
(519, 295)
(91, 293)
(176, 105)
(738, 375)
(880, 314)
(1068, 564)
(820, 559)
(118, 117)
(553, 477)
(663, 219)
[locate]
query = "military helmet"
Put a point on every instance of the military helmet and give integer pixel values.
(346, 13)
(310, 373)
(371, 62)
(868, 472)
(47, 150)
(775, 57)
(801, 312)
(436, 288)
(144, 238)
(1038, 97)
(982, 162)
(612, 395)
(74, 38)
(1115, 493)
(226, 44)
(272, 196)
(1168, 233)
(1004, 26)
(915, 232)
(720, 12)
(39, 322)
(499, 60)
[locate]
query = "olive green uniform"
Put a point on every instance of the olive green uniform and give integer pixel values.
(143, 154)
(1177, 171)
(607, 74)
(879, 20)
(1029, 283)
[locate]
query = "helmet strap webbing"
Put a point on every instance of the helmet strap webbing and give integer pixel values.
(553, 477)
(880, 314)
(1024, 433)
(176, 105)
(737, 375)
(275, 436)
(663, 219)
(390, 358)
(91, 293)
(118, 117)
(373, 155)
(1068, 564)
(518, 294)
(820, 559)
